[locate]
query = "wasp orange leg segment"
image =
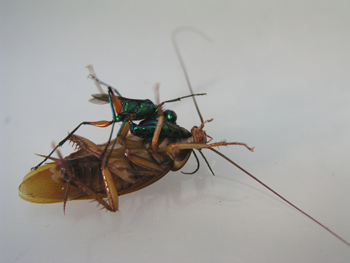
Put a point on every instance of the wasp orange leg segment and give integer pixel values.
(116, 109)
(101, 124)
(114, 100)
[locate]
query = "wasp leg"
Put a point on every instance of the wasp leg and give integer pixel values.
(122, 133)
(116, 108)
(113, 101)
(101, 124)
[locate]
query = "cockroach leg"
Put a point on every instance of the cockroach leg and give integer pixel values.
(123, 132)
(158, 129)
(149, 165)
(182, 146)
(200, 140)
(111, 190)
(159, 122)
(70, 178)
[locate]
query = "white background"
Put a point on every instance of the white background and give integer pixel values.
(277, 77)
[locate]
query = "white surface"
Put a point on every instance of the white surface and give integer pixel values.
(277, 77)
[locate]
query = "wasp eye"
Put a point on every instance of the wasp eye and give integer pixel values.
(170, 116)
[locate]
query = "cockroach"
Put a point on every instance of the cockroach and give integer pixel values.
(133, 162)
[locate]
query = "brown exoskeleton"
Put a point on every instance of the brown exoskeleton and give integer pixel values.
(133, 163)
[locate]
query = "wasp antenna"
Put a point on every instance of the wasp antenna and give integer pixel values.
(176, 47)
(48, 157)
(284, 199)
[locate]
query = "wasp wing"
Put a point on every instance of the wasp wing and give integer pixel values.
(99, 99)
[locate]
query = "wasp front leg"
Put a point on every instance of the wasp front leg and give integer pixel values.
(101, 124)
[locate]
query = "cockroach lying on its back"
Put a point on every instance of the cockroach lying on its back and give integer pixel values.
(128, 163)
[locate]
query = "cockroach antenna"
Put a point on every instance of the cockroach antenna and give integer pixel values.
(174, 35)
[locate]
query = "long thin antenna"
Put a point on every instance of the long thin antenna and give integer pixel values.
(297, 208)
(176, 31)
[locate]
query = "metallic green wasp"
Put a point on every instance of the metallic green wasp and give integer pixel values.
(123, 110)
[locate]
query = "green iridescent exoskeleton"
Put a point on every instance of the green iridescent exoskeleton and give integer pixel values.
(145, 110)
(131, 108)
(145, 129)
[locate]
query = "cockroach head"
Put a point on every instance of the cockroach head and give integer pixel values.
(199, 135)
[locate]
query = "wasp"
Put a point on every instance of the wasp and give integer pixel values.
(133, 161)
(128, 110)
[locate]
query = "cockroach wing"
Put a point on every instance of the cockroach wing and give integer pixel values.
(38, 186)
